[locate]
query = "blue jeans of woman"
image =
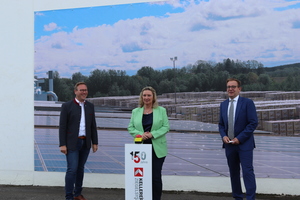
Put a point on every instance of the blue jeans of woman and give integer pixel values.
(76, 160)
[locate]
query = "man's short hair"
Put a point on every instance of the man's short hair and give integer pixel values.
(79, 83)
(234, 79)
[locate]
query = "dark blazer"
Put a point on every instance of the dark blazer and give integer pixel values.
(70, 121)
(245, 122)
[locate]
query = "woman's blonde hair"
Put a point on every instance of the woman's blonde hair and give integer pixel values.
(154, 103)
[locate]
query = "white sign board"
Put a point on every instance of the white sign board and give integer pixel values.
(138, 172)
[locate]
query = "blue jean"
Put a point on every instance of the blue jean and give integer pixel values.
(76, 160)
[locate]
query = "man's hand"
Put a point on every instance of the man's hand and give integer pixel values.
(235, 141)
(63, 149)
(95, 147)
(226, 139)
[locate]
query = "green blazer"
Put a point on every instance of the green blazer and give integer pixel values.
(159, 128)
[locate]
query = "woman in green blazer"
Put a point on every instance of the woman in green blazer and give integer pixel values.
(151, 122)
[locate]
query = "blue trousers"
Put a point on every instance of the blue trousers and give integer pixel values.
(76, 160)
(235, 159)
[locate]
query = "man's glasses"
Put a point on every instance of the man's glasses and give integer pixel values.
(83, 90)
(231, 86)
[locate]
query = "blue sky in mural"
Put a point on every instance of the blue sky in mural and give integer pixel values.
(130, 36)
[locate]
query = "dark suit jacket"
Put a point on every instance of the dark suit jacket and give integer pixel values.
(245, 122)
(70, 121)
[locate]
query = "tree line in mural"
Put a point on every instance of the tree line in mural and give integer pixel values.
(199, 77)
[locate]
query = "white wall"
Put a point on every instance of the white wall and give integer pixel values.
(16, 105)
(17, 117)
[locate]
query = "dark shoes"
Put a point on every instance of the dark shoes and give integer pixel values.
(80, 197)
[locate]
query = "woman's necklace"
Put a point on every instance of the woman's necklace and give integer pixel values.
(148, 111)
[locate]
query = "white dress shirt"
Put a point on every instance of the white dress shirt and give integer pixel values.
(235, 100)
(82, 119)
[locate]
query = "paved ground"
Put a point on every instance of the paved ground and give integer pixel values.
(55, 193)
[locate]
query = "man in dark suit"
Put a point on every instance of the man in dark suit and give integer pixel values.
(77, 131)
(236, 127)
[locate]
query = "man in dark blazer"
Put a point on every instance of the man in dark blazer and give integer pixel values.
(77, 134)
(239, 143)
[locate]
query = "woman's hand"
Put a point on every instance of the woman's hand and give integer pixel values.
(147, 135)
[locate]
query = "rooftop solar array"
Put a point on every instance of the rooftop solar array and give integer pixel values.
(195, 149)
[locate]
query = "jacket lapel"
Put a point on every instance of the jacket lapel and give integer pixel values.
(225, 110)
(238, 108)
(155, 113)
(139, 117)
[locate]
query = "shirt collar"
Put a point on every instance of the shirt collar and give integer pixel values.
(236, 98)
(77, 101)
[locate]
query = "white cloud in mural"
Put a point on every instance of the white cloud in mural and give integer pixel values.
(265, 31)
(39, 14)
(50, 27)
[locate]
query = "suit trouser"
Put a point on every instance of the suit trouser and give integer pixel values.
(157, 185)
(76, 160)
(236, 158)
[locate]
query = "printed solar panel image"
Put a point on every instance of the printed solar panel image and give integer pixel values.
(191, 152)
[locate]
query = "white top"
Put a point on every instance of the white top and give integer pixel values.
(82, 119)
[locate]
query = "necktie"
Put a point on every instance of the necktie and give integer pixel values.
(230, 120)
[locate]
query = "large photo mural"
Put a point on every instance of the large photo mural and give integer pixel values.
(185, 49)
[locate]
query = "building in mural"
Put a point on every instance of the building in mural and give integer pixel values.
(39, 94)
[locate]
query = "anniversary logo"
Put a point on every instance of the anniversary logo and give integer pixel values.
(139, 157)
(138, 172)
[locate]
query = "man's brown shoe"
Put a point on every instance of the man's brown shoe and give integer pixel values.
(80, 197)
